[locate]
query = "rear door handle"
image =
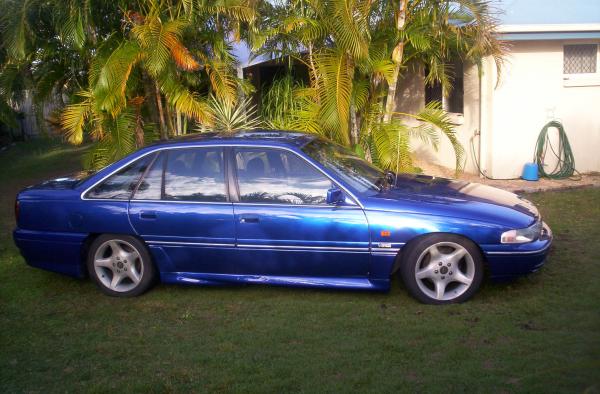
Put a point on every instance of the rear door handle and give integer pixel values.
(148, 215)
(249, 219)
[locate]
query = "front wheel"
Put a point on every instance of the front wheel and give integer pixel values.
(120, 265)
(442, 269)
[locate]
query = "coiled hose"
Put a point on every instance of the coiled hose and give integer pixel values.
(565, 166)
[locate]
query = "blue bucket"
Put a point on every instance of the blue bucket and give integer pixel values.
(530, 172)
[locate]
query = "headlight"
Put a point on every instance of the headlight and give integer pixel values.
(522, 235)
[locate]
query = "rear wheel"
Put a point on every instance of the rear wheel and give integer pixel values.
(120, 265)
(442, 269)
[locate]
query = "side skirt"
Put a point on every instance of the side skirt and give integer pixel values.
(192, 278)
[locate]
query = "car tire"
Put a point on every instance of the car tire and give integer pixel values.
(442, 269)
(120, 265)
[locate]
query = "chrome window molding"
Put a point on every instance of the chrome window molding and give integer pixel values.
(354, 199)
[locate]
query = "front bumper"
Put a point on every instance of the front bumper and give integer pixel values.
(509, 261)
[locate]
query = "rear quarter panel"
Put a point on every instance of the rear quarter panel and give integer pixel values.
(54, 225)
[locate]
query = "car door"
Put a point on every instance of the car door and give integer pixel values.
(181, 209)
(284, 227)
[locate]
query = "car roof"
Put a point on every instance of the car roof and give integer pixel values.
(266, 137)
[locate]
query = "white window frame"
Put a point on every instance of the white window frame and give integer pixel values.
(583, 79)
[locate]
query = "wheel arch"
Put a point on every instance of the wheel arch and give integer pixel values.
(399, 256)
(87, 243)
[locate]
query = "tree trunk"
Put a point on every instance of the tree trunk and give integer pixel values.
(161, 115)
(139, 130)
(179, 131)
(353, 126)
(390, 100)
(169, 116)
(313, 68)
(397, 59)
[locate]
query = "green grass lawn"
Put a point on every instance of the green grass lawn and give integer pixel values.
(538, 334)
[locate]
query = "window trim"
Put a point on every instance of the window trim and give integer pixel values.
(227, 152)
(581, 79)
(156, 156)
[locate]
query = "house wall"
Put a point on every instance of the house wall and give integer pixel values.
(532, 92)
(410, 98)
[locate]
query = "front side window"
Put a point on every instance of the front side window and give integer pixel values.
(278, 177)
(194, 174)
(354, 170)
(119, 186)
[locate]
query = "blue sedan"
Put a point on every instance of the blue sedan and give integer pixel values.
(278, 208)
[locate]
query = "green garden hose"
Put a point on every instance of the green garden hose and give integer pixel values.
(565, 166)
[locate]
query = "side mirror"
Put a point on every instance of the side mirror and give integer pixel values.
(335, 196)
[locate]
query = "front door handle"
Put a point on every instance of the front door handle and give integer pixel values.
(148, 215)
(249, 219)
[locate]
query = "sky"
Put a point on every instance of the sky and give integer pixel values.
(533, 12)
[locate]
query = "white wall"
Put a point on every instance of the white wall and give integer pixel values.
(532, 92)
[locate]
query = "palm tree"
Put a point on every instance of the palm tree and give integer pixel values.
(127, 68)
(152, 65)
(47, 47)
(357, 52)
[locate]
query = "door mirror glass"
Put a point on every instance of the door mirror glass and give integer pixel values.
(335, 196)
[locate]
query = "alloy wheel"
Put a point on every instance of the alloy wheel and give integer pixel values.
(118, 265)
(444, 271)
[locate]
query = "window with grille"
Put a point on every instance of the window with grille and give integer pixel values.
(580, 59)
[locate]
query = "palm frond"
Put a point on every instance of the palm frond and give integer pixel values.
(183, 100)
(335, 93)
(7, 114)
(73, 118)
(117, 141)
(434, 115)
(72, 31)
(15, 26)
(109, 91)
(222, 80)
(159, 40)
(350, 28)
(239, 11)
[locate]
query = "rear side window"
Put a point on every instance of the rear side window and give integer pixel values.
(194, 174)
(119, 186)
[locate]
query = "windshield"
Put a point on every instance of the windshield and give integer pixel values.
(354, 170)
